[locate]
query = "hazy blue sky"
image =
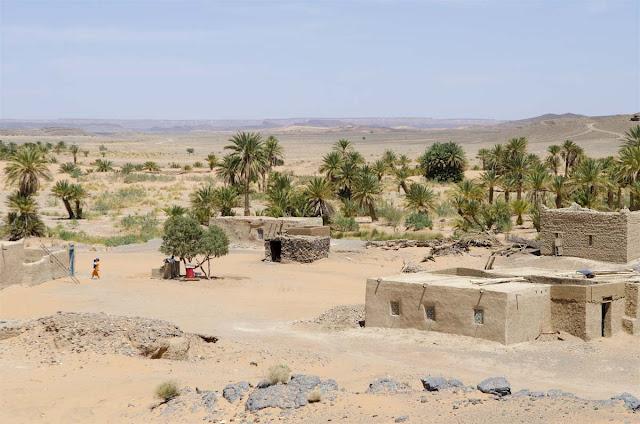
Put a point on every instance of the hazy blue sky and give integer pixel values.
(268, 59)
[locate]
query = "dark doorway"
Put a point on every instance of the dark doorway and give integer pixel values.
(606, 319)
(276, 250)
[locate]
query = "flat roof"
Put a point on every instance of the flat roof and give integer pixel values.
(606, 276)
(498, 284)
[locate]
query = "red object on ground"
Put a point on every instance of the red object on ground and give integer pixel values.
(191, 273)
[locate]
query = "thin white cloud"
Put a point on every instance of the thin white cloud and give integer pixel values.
(92, 35)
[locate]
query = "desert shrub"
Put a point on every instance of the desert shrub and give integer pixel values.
(143, 178)
(82, 237)
(418, 221)
(390, 213)
(344, 223)
(122, 198)
(70, 168)
(127, 168)
(198, 164)
(279, 374)
(350, 208)
(146, 226)
(174, 165)
(187, 168)
(314, 396)
(534, 214)
(445, 208)
(167, 391)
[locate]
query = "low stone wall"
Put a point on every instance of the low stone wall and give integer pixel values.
(20, 265)
(302, 249)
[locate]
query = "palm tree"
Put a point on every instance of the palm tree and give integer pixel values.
(519, 207)
(420, 198)
(103, 165)
(343, 146)
(390, 158)
(570, 153)
(212, 161)
(78, 194)
(490, 179)
(203, 203)
(402, 174)
(589, 176)
(553, 159)
(273, 155)
(380, 167)
(559, 187)
(60, 147)
(225, 199)
(74, 150)
(632, 137)
(483, 155)
(150, 166)
(318, 192)
(62, 189)
(366, 191)
(517, 167)
(537, 181)
(629, 168)
(331, 164)
(26, 168)
(248, 149)
(228, 169)
(23, 219)
(346, 177)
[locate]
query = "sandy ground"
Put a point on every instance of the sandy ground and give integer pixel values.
(253, 305)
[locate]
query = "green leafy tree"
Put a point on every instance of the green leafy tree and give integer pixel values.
(444, 162)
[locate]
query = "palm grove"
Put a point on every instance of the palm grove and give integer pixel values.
(513, 183)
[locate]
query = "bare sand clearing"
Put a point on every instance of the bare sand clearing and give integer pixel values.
(255, 308)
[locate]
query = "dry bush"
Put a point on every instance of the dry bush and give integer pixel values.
(314, 396)
(167, 391)
(279, 374)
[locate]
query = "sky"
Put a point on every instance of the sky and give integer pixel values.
(499, 59)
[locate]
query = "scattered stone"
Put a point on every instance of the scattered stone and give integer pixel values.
(291, 395)
(411, 268)
(233, 392)
(496, 386)
(402, 419)
(630, 401)
(388, 386)
(437, 383)
(342, 316)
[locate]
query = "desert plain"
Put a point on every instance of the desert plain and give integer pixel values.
(306, 316)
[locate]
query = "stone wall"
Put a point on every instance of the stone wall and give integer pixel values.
(302, 249)
(589, 234)
(20, 265)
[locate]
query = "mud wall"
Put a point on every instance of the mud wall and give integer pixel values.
(29, 266)
(588, 234)
(633, 235)
(258, 228)
(506, 320)
(11, 259)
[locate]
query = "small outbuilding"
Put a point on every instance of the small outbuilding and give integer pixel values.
(586, 233)
(296, 248)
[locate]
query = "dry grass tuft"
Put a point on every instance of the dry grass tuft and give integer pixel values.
(279, 374)
(167, 391)
(314, 396)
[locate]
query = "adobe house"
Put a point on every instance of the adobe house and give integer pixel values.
(296, 248)
(23, 265)
(259, 228)
(586, 233)
(510, 306)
